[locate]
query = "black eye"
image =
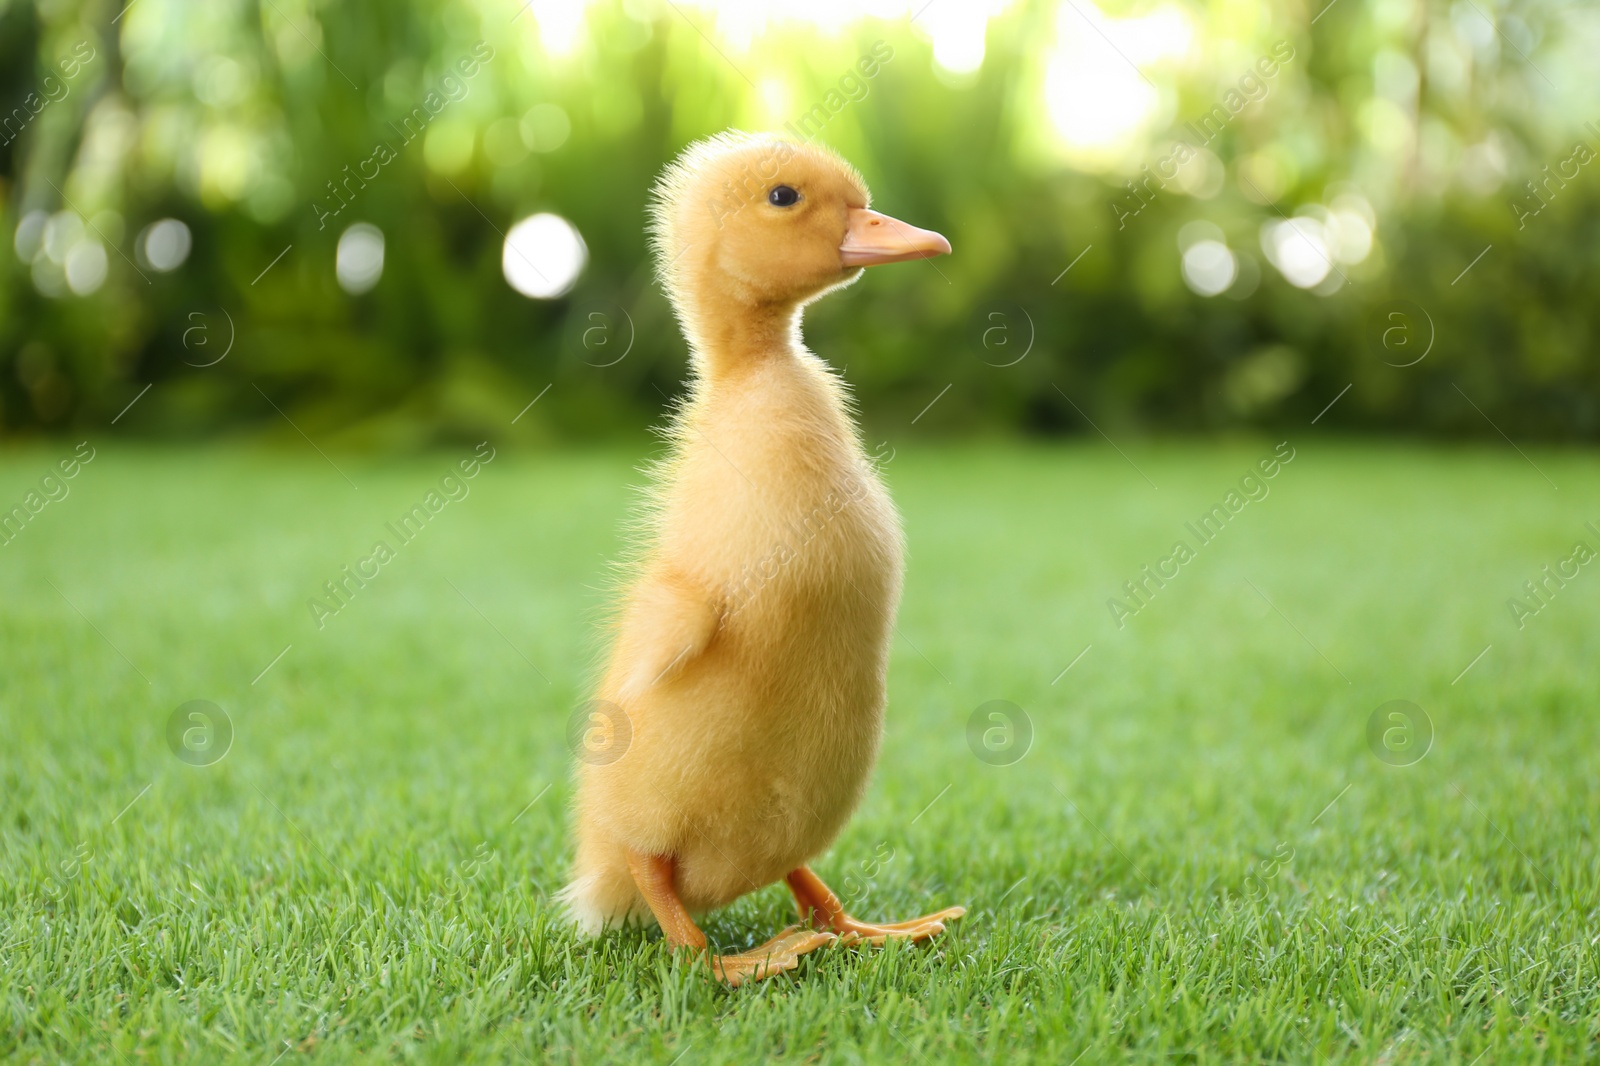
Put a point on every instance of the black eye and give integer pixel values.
(783, 196)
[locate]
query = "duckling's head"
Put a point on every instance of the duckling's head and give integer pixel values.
(750, 222)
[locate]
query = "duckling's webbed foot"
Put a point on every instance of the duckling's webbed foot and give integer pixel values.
(822, 908)
(654, 874)
(780, 953)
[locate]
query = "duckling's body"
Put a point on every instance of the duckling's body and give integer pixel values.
(746, 760)
(743, 699)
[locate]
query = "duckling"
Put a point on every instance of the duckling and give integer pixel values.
(745, 686)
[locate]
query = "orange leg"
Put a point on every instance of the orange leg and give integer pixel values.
(822, 908)
(654, 874)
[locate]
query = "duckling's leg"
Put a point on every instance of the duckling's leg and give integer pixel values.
(654, 875)
(820, 906)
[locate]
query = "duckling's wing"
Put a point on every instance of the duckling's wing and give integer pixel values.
(670, 619)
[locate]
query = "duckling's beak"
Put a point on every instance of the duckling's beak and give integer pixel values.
(874, 238)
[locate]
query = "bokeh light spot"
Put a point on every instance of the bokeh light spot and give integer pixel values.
(86, 266)
(543, 256)
(359, 261)
(1299, 249)
(1209, 267)
(545, 127)
(164, 245)
(30, 235)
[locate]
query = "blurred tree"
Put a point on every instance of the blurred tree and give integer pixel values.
(1355, 187)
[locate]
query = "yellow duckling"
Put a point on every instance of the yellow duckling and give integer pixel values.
(745, 685)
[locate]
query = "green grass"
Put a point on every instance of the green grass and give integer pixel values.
(368, 872)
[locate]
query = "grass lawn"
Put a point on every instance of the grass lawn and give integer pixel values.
(1199, 858)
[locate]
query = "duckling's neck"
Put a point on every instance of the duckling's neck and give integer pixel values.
(728, 346)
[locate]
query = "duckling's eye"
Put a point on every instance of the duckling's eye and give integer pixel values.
(783, 196)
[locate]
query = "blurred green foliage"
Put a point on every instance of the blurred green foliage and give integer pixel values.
(240, 117)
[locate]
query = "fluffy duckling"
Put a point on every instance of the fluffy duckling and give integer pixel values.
(745, 685)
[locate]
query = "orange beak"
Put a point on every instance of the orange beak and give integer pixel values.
(873, 238)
